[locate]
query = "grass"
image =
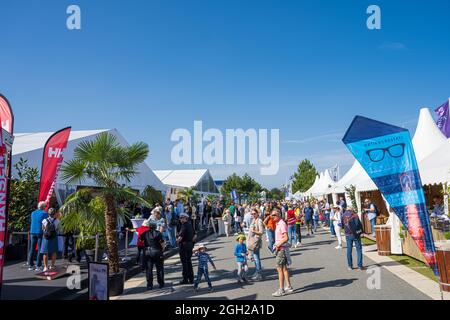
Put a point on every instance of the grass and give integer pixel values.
(367, 242)
(416, 265)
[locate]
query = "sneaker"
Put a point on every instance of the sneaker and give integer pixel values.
(338, 247)
(298, 244)
(289, 289)
(257, 277)
(211, 289)
(349, 268)
(362, 269)
(278, 293)
(196, 289)
(32, 268)
(45, 270)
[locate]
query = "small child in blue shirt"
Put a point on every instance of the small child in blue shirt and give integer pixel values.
(240, 252)
(203, 259)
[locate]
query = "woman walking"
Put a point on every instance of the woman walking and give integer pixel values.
(336, 219)
(226, 218)
(291, 220)
(255, 233)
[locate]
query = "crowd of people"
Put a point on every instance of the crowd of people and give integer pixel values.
(275, 226)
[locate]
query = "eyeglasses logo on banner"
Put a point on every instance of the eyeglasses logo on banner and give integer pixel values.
(378, 154)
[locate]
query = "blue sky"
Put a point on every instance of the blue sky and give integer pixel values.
(149, 67)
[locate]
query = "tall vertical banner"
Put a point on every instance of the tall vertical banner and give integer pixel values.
(7, 123)
(443, 121)
(386, 153)
(234, 195)
(51, 163)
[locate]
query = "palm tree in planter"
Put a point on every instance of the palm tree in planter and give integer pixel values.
(110, 166)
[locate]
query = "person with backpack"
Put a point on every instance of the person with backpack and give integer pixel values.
(50, 228)
(353, 231)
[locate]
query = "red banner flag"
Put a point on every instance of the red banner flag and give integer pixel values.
(6, 115)
(51, 163)
(7, 122)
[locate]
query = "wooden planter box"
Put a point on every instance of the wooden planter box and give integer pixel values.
(443, 262)
(383, 238)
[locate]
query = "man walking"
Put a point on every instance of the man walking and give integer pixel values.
(185, 241)
(36, 233)
(353, 231)
(154, 245)
(281, 239)
(308, 213)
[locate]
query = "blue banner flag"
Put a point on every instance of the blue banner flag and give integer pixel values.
(234, 195)
(386, 153)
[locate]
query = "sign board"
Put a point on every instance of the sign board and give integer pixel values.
(98, 281)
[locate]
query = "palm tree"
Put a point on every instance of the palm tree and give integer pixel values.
(187, 195)
(111, 166)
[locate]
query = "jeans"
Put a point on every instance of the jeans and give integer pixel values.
(372, 224)
(271, 237)
(332, 231)
(256, 256)
(292, 234)
(298, 228)
(36, 239)
(200, 273)
(172, 236)
(350, 240)
(327, 219)
(316, 223)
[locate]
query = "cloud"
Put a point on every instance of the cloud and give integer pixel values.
(393, 46)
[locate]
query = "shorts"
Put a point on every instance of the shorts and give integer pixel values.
(281, 259)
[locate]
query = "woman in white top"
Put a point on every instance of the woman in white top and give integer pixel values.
(336, 219)
(226, 218)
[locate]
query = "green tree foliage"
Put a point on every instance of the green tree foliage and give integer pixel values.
(243, 185)
(109, 165)
(23, 198)
(304, 177)
(188, 195)
(276, 194)
(152, 195)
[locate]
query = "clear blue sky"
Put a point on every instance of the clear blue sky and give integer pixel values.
(149, 67)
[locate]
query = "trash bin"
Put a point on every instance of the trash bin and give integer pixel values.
(443, 262)
(383, 238)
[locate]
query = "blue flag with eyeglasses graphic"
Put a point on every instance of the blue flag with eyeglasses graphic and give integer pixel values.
(386, 153)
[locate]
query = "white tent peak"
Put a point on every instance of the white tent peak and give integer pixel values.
(427, 138)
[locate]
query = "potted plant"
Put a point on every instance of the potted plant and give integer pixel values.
(86, 242)
(111, 166)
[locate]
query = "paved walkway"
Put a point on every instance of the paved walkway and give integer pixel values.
(319, 271)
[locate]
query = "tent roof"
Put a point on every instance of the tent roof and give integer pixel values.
(30, 146)
(435, 168)
(427, 138)
(25, 142)
(181, 178)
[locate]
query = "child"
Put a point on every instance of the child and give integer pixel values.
(203, 259)
(240, 252)
(226, 221)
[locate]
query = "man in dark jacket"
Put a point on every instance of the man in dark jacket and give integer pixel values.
(154, 248)
(186, 242)
(353, 230)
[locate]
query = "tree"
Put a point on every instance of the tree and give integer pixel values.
(243, 185)
(276, 194)
(304, 177)
(152, 195)
(24, 195)
(109, 165)
(188, 195)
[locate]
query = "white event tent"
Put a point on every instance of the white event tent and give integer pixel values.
(30, 146)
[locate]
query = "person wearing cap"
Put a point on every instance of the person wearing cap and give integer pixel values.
(185, 241)
(50, 227)
(154, 246)
(203, 259)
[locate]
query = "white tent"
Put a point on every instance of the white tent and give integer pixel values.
(311, 190)
(30, 146)
(325, 185)
(435, 168)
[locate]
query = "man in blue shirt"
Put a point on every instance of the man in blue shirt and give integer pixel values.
(36, 234)
(308, 212)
